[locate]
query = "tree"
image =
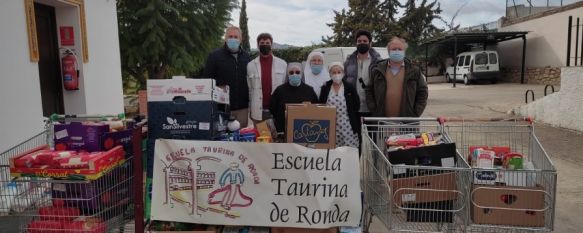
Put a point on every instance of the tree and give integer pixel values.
(243, 26)
(379, 17)
(362, 14)
(390, 26)
(159, 38)
(417, 22)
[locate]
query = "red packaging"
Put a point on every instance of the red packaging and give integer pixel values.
(78, 161)
(96, 165)
(51, 158)
(90, 225)
(58, 213)
(44, 226)
(27, 161)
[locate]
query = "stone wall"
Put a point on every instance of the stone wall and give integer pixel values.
(532, 75)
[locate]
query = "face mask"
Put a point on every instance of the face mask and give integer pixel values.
(362, 48)
(265, 49)
(233, 44)
(397, 55)
(316, 69)
(295, 80)
(337, 78)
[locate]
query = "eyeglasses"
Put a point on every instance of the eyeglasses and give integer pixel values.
(294, 72)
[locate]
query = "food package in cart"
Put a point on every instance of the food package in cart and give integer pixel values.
(79, 135)
(85, 166)
(86, 225)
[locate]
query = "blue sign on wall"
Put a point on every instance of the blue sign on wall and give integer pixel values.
(311, 131)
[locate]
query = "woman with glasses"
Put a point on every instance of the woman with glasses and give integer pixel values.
(341, 94)
(292, 91)
(316, 74)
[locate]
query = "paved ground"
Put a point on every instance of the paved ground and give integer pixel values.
(564, 146)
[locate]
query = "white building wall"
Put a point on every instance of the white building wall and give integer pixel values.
(68, 16)
(20, 100)
(546, 43)
(103, 83)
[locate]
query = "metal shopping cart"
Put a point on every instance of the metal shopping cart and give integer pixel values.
(411, 198)
(110, 203)
(503, 200)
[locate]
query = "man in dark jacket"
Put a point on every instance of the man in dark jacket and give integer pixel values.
(397, 87)
(357, 67)
(228, 66)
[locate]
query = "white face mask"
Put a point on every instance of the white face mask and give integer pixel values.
(337, 78)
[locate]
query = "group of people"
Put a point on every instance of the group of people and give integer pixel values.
(363, 86)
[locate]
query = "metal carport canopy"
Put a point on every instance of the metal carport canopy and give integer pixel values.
(477, 37)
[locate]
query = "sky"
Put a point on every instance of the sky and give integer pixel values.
(303, 22)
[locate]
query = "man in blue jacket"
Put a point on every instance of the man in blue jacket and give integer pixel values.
(357, 66)
(228, 66)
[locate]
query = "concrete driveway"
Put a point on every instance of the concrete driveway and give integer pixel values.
(565, 147)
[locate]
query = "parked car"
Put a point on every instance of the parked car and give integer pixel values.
(475, 66)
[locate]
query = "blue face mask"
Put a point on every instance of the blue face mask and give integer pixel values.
(295, 80)
(397, 55)
(233, 44)
(316, 69)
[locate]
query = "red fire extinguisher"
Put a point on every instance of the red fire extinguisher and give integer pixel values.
(70, 71)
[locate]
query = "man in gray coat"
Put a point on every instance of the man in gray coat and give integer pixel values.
(397, 87)
(357, 67)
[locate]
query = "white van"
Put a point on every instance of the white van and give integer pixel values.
(475, 66)
(339, 54)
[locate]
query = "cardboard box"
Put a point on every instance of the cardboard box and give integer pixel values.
(302, 230)
(120, 138)
(194, 120)
(98, 166)
(408, 190)
(143, 102)
(165, 90)
(418, 212)
(311, 125)
(508, 197)
(79, 136)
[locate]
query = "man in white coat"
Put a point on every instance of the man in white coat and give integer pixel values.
(264, 74)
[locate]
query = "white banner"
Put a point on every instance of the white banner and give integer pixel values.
(255, 184)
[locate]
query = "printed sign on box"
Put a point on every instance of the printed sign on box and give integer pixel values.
(311, 131)
(311, 125)
(249, 184)
(162, 90)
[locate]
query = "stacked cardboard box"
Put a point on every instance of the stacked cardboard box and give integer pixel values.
(420, 191)
(182, 108)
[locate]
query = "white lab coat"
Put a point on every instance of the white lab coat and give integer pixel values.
(278, 74)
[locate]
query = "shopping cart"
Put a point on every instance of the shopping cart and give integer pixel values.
(411, 198)
(110, 203)
(504, 200)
